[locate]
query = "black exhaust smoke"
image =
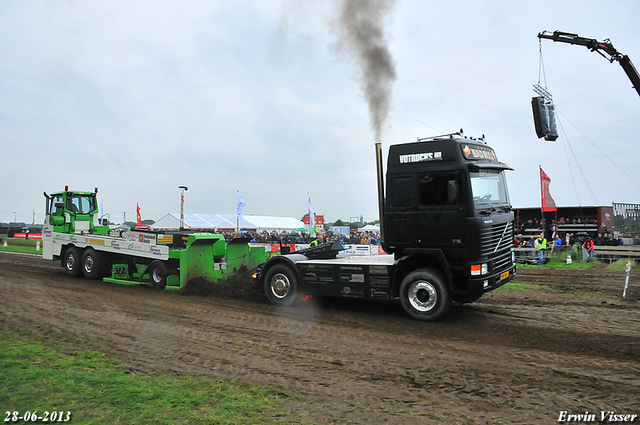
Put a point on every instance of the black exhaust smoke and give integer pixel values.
(360, 27)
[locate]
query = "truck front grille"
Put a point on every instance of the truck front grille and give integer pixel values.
(497, 238)
(502, 262)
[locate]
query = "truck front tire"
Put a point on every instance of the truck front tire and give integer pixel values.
(424, 295)
(73, 261)
(281, 286)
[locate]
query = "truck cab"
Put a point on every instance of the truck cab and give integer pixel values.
(74, 212)
(447, 205)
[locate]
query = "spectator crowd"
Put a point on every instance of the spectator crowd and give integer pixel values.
(355, 238)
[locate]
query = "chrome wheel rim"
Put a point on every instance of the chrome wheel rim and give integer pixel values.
(422, 296)
(88, 264)
(156, 276)
(280, 286)
(71, 262)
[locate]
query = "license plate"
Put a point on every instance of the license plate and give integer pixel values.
(504, 275)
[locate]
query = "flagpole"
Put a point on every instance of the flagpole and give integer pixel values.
(541, 195)
(240, 207)
(312, 216)
(309, 212)
(182, 206)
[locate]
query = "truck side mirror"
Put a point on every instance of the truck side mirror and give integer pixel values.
(452, 191)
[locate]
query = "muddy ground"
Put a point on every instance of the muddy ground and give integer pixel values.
(511, 357)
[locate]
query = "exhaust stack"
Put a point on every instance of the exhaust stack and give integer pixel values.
(380, 178)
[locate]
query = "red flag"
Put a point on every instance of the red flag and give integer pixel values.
(548, 204)
(139, 224)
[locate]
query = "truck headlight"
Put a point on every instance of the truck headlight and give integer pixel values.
(479, 269)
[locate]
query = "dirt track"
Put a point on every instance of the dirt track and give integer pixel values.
(511, 357)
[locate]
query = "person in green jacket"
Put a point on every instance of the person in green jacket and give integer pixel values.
(542, 247)
(319, 240)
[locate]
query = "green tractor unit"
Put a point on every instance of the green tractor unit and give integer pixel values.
(73, 234)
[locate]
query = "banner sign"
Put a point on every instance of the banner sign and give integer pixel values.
(319, 219)
(548, 204)
(24, 235)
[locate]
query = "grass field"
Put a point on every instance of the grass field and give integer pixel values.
(20, 245)
(19, 248)
(559, 261)
(521, 287)
(88, 388)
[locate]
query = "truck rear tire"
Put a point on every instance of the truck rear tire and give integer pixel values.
(281, 286)
(424, 296)
(72, 262)
(158, 274)
(93, 264)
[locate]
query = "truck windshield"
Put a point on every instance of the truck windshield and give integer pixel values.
(81, 204)
(489, 189)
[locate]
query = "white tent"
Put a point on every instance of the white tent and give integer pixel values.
(369, 228)
(270, 223)
(169, 221)
(228, 222)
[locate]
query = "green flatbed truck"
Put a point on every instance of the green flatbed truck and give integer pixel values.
(73, 234)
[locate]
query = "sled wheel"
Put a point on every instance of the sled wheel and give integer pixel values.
(158, 274)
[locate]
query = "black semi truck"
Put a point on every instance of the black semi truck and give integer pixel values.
(446, 222)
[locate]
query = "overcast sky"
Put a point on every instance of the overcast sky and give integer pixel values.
(139, 97)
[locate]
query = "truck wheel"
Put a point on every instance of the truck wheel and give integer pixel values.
(73, 262)
(424, 296)
(92, 264)
(158, 274)
(281, 286)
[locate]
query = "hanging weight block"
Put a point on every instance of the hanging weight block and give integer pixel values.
(544, 119)
(552, 135)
